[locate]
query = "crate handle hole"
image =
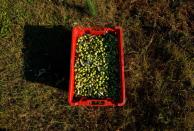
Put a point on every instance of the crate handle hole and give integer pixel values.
(97, 102)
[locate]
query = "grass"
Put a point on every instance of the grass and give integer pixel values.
(159, 65)
(91, 7)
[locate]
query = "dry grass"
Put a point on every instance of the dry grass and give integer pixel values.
(159, 65)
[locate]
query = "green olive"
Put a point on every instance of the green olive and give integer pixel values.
(95, 66)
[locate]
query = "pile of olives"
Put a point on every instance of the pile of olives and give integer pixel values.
(97, 66)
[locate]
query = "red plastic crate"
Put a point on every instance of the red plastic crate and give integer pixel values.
(76, 33)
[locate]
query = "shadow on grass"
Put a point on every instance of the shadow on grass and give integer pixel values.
(77, 6)
(3, 129)
(47, 55)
